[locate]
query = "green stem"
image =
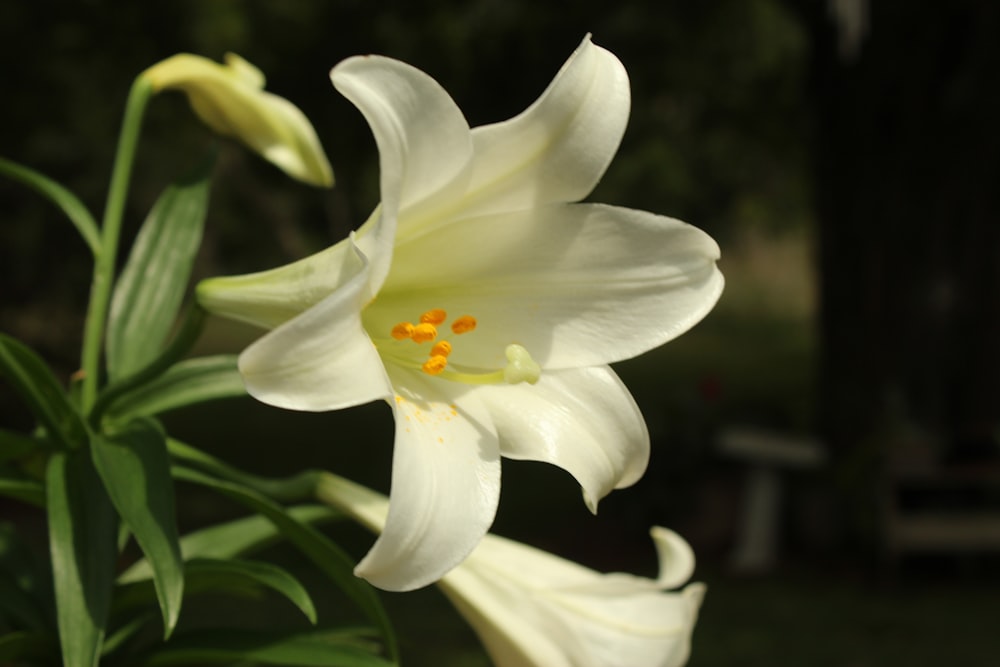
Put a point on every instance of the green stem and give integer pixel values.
(297, 488)
(365, 506)
(194, 322)
(104, 267)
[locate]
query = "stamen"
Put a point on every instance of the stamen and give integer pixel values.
(441, 349)
(402, 331)
(435, 364)
(434, 316)
(520, 366)
(463, 324)
(424, 332)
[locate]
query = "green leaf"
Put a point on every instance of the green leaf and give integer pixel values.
(191, 381)
(236, 576)
(61, 197)
(16, 446)
(151, 286)
(45, 397)
(82, 530)
(314, 649)
(233, 538)
(288, 489)
(26, 490)
(123, 634)
(206, 574)
(337, 565)
(135, 468)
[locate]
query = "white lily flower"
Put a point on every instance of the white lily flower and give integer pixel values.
(532, 608)
(231, 100)
(480, 303)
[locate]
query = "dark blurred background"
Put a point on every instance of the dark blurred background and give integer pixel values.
(826, 438)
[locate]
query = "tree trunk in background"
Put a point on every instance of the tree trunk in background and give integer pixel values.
(908, 198)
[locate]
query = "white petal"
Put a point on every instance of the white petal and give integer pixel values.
(322, 359)
(676, 557)
(532, 608)
(582, 420)
(445, 483)
(575, 284)
(513, 631)
(301, 154)
(269, 298)
(553, 152)
(423, 139)
(650, 629)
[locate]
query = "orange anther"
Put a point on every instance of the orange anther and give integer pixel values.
(402, 331)
(463, 324)
(435, 364)
(424, 332)
(441, 349)
(434, 316)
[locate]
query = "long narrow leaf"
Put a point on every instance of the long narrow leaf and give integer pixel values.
(82, 543)
(125, 633)
(337, 565)
(14, 445)
(315, 649)
(26, 490)
(287, 489)
(226, 575)
(206, 574)
(233, 538)
(188, 382)
(135, 469)
(151, 286)
(33, 380)
(61, 197)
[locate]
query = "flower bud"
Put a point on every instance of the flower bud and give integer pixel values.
(231, 100)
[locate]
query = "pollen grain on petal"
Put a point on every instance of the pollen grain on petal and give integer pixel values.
(424, 332)
(434, 316)
(402, 331)
(442, 348)
(435, 365)
(463, 324)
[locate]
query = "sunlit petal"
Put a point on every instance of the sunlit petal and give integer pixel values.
(534, 609)
(582, 420)
(577, 285)
(445, 484)
(555, 151)
(269, 298)
(422, 136)
(322, 359)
